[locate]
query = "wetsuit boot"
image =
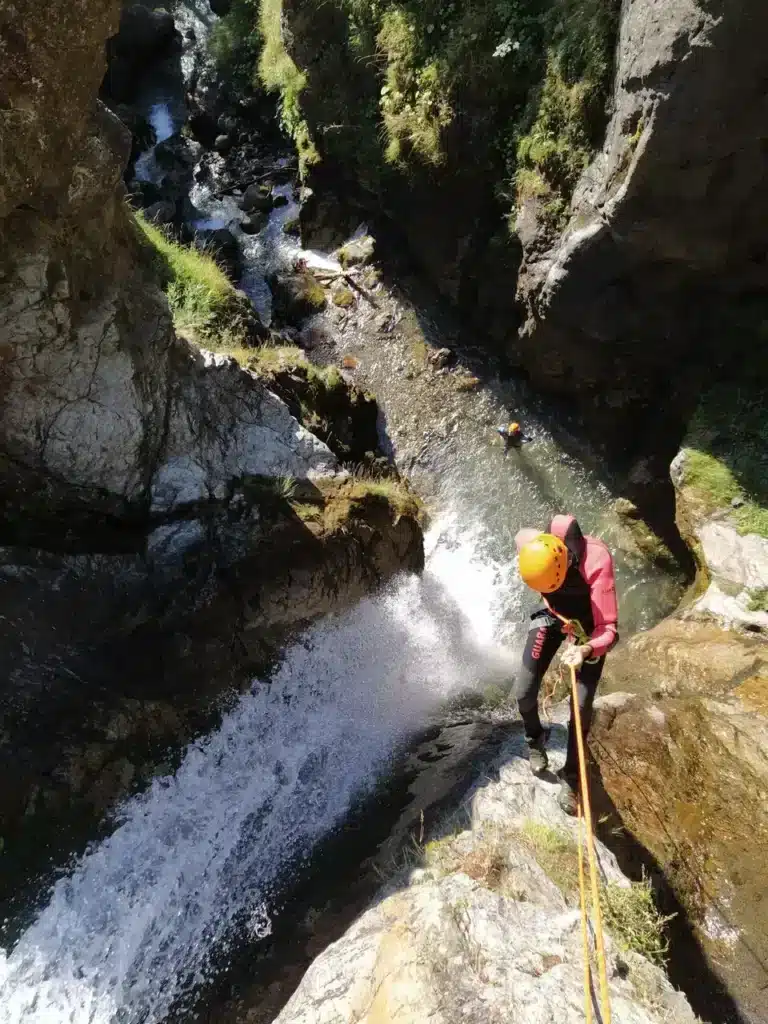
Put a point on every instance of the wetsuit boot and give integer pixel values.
(537, 754)
(567, 797)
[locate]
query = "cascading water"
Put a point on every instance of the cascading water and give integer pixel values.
(131, 932)
(161, 121)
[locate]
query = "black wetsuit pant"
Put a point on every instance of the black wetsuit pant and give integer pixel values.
(544, 638)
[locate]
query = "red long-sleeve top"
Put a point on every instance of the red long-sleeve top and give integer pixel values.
(595, 565)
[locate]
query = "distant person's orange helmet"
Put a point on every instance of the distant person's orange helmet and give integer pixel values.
(513, 429)
(544, 563)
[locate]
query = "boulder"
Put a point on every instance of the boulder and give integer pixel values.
(733, 567)
(253, 223)
(257, 197)
(441, 357)
(220, 7)
(176, 153)
(357, 252)
(223, 143)
(683, 654)
(295, 297)
(325, 224)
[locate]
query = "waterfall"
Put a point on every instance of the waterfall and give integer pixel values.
(199, 857)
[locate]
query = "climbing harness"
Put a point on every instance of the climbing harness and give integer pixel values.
(572, 629)
(584, 806)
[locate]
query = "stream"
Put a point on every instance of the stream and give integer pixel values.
(141, 924)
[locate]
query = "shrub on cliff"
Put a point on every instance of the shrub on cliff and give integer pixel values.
(566, 113)
(517, 86)
(234, 41)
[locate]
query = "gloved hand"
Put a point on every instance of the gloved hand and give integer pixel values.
(574, 656)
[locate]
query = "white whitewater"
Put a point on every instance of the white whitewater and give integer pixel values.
(130, 933)
(161, 121)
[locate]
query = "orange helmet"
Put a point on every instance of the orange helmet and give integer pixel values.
(513, 428)
(544, 563)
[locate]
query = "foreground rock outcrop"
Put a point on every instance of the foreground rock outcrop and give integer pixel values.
(486, 929)
(698, 719)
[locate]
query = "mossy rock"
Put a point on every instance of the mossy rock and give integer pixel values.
(295, 297)
(292, 227)
(688, 779)
(357, 253)
(343, 297)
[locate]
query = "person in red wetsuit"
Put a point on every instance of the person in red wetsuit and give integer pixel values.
(574, 574)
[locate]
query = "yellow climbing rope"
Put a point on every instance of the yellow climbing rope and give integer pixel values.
(592, 859)
(584, 929)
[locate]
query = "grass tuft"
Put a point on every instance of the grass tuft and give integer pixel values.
(397, 492)
(205, 306)
(631, 916)
(629, 912)
(556, 853)
(279, 73)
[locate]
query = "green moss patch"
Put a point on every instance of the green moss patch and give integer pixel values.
(727, 453)
(343, 297)
(295, 297)
(397, 84)
(568, 114)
